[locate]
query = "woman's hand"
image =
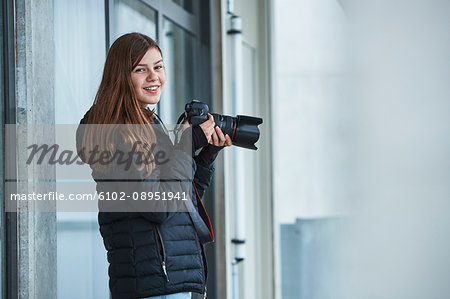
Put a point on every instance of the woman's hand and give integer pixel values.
(218, 139)
(213, 134)
(209, 153)
(208, 127)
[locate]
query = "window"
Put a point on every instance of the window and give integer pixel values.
(177, 33)
(180, 69)
(80, 42)
(143, 18)
(83, 29)
(175, 25)
(79, 33)
(186, 4)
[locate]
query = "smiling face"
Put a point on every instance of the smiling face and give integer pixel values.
(148, 78)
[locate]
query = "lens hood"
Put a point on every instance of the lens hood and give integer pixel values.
(246, 132)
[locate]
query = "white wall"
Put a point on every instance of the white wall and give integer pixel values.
(312, 131)
(399, 241)
(365, 137)
(310, 109)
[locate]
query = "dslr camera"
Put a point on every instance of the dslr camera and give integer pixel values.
(243, 130)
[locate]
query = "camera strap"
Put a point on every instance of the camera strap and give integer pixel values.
(200, 219)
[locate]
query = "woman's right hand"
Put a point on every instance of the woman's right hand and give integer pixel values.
(208, 127)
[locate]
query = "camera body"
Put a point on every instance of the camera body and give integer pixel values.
(196, 112)
(243, 130)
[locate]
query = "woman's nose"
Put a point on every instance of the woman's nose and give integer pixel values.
(152, 77)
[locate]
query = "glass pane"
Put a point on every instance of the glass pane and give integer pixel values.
(79, 33)
(178, 54)
(186, 4)
(133, 16)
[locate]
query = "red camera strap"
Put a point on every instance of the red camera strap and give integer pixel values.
(203, 213)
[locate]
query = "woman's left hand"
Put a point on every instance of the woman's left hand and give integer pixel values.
(219, 139)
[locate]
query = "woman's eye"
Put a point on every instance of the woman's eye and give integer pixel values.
(158, 67)
(140, 70)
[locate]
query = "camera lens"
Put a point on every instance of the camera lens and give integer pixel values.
(247, 131)
(225, 123)
(243, 130)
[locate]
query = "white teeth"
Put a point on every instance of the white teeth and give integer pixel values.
(151, 88)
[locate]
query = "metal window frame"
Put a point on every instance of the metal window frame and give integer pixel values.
(10, 282)
(163, 8)
(176, 13)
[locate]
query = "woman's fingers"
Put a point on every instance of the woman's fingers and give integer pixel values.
(214, 134)
(208, 127)
(228, 140)
(222, 139)
(214, 138)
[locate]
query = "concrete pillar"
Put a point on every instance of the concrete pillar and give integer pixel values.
(36, 231)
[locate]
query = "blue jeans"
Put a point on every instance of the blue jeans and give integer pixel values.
(185, 295)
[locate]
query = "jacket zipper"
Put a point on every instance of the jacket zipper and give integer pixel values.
(163, 257)
(203, 266)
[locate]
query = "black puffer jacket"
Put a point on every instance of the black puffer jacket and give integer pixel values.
(151, 253)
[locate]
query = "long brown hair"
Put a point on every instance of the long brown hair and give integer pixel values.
(116, 101)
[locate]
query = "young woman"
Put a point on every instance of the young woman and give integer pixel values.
(150, 254)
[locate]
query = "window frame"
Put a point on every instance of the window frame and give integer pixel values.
(9, 219)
